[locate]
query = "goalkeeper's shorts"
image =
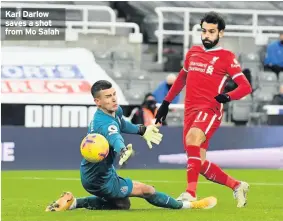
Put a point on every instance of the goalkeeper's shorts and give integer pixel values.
(117, 187)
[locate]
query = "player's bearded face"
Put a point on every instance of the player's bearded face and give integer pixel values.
(107, 100)
(208, 44)
(210, 35)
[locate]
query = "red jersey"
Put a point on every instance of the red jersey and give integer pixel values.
(205, 73)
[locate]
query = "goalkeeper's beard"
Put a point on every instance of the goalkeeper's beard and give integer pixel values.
(209, 44)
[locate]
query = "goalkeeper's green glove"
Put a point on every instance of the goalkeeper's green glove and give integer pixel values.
(151, 135)
(126, 153)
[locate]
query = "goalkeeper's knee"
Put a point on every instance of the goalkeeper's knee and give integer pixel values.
(123, 204)
(142, 190)
(148, 190)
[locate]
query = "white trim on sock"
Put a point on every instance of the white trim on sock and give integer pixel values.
(167, 200)
(186, 205)
(207, 167)
(74, 204)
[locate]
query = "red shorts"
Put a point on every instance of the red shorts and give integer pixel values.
(206, 120)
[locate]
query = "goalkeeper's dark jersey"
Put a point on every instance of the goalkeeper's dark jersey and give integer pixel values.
(99, 174)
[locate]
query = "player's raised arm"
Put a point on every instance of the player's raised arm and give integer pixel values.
(176, 88)
(150, 133)
(112, 134)
(244, 88)
(115, 139)
(126, 126)
(178, 85)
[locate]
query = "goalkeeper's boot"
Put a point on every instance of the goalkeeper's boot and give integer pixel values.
(63, 203)
(186, 197)
(206, 203)
(240, 194)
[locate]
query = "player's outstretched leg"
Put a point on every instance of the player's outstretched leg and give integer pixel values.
(214, 173)
(163, 200)
(68, 202)
(192, 141)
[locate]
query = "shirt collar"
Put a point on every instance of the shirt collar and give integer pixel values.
(101, 112)
(213, 49)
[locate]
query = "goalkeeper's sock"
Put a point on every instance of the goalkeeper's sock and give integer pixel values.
(91, 203)
(163, 200)
(193, 168)
(215, 174)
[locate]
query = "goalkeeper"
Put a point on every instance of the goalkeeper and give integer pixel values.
(108, 190)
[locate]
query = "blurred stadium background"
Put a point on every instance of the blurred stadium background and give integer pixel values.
(46, 105)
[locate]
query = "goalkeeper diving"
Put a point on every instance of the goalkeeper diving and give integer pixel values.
(107, 189)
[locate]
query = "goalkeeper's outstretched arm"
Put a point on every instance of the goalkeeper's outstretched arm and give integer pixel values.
(115, 139)
(129, 128)
(150, 133)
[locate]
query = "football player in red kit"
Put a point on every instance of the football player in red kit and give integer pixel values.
(205, 72)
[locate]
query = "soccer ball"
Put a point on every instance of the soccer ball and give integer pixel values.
(94, 148)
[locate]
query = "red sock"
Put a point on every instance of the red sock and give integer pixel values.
(215, 174)
(193, 168)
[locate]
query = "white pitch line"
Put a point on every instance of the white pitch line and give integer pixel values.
(150, 181)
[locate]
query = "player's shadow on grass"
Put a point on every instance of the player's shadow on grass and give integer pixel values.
(149, 209)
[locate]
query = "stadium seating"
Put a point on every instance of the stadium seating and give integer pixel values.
(281, 78)
(122, 61)
(104, 59)
(268, 82)
(175, 120)
(241, 109)
(262, 96)
(148, 17)
(138, 78)
(252, 62)
(267, 77)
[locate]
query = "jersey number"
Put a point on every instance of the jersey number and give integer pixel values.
(201, 117)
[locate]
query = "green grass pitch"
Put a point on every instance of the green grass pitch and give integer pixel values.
(25, 194)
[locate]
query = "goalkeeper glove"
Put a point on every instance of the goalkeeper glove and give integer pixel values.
(162, 112)
(126, 153)
(223, 98)
(150, 134)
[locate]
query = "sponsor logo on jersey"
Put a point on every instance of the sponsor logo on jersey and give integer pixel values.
(210, 69)
(124, 189)
(112, 129)
(235, 64)
(214, 59)
(202, 67)
(197, 66)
